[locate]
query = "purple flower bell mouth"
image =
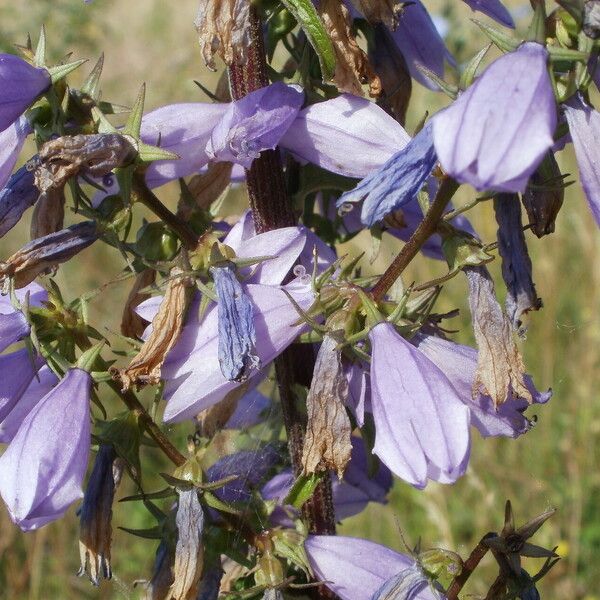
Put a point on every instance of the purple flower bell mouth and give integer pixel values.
(494, 135)
(20, 85)
(43, 467)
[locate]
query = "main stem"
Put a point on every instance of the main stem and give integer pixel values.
(422, 233)
(272, 209)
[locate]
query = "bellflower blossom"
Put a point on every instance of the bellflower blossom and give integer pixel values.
(494, 135)
(459, 364)
(19, 194)
(194, 384)
(357, 569)
(21, 84)
(422, 426)
(43, 467)
(584, 125)
(494, 9)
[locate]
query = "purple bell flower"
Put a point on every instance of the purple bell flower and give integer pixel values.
(11, 143)
(251, 410)
(357, 569)
(422, 425)
(459, 364)
(184, 129)
(42, 469)
(420, 43)
(254, 123)
(494, 135)
(17, 370)
(347, 135)
(397, 182)
(21, 84)
(584, 125)
(494, 9)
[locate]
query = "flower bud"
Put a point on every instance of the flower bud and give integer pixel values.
(19, 194)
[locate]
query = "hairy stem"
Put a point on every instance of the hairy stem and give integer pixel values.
(272, 209)
(423, 232)
(468, 567)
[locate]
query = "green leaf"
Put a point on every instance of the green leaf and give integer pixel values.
(303, 489)
(152, 533)
(305, 13)
(168, 492)
(212, 501)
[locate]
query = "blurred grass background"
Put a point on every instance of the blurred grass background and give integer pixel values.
(556, 464)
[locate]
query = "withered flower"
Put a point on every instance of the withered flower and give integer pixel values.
(95, 533)
(352, 67)
(145, 367)
(544, 196)
(89, 155)
(516, 264)
(327, 444)
(18, 195)
(162, 573)
(45, 253)
(189, 552)
(500, 369)
(132, 324)
(511, 544)
(223, 29)
(48, 213)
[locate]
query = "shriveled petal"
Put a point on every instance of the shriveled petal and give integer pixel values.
(497, 131)
(192, 371)
(397, 182)
(16, 197)
(20, 85)
(459, 363)
(354, 568)
(42, 469)
(254, 123)
(184, 129)
(347, 135)
(494, 9)
(11, 142)
(419, 418)
(584, 125)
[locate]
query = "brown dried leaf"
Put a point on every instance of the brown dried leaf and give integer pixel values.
(166, 326)
(327, 442)
(189, 552)
(500, 368)
(380, 11)
(223, 29)
(48, 213)
(352, 67)
(132, 325)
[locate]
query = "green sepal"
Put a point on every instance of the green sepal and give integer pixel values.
(134, 121)
(103, 125)
(302, 489)
(305, 13)
(462, 250)
(88, 359)
(152, 533)
(560, 54)
(91, 86)
(148, 153)
(211, 500)
(168, 492)
(449, 89)
(124, 177)
(61, 71)
(503, 40)
(40, 52)
(537, 27)
(289, 544)
(468, 75)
